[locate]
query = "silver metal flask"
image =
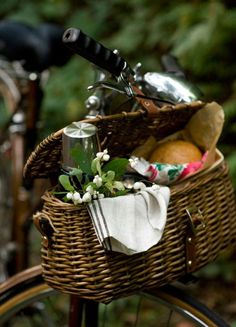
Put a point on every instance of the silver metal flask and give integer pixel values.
(81, 136)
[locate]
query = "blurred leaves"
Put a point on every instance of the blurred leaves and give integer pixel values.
(223, 268)
(200, 33)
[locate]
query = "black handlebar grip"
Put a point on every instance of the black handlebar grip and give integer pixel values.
(93, 51)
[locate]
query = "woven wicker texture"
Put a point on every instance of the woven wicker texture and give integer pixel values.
(120, 133)
(76, 263)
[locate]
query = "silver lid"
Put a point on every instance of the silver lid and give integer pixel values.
(80, 130)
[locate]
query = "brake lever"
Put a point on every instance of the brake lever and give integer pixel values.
(123, 86)
(102, 84)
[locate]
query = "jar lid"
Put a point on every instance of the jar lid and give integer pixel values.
(80, 130)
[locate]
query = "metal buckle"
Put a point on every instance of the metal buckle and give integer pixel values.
(196, 218)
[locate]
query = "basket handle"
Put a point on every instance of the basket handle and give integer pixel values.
(45, 226)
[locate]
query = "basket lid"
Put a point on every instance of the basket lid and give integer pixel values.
(119, 133)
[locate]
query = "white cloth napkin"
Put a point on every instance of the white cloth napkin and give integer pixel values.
(132, 223)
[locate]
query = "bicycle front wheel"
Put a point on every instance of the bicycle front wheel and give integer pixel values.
(25, 300)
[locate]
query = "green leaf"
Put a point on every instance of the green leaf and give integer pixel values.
(119, 186)
(118, 165)
(77, 173)
(122, 192)
(65, 182)
(81, 158)
(65, 199)
(109, 176)
(109, 186)
(96, 167)
(59, 193)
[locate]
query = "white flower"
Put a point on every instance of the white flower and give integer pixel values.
(87, 197)
(76, 198)
(95, 194)
(98, 195)
(97, 180)
(133, 161)
(99, 155)
(105, 157)
(69, 195)
(139, 186)
(156, 187)
(90, 189)
(101, 195)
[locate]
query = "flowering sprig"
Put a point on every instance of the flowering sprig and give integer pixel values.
(103, 180)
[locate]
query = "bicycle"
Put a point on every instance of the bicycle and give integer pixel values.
(24, 67)
(21, 295)
(27, 299)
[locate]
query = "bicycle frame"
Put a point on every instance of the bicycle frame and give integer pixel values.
(20, 131)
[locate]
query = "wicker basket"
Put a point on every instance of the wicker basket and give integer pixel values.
(120, 133)
(201, 220)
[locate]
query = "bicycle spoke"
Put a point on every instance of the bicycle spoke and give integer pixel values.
(169, 318)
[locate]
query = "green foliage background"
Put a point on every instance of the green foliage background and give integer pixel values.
(200, 33)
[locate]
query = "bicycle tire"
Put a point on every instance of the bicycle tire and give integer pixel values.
(28, 287)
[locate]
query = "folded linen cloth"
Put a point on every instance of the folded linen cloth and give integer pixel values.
(132, 223)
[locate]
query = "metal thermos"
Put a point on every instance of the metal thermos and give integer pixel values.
(82, 136)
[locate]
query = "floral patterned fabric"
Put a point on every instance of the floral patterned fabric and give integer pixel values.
(165, 174)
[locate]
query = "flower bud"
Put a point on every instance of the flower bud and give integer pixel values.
(99, 155)
(69, 195)
(86, 197)
(97, 180)
(105, 157)
(101, 195)
(90, 189)
(76, 196)
(139, 186)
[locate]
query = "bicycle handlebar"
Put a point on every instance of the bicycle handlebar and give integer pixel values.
(38, 48)
(94, 51)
